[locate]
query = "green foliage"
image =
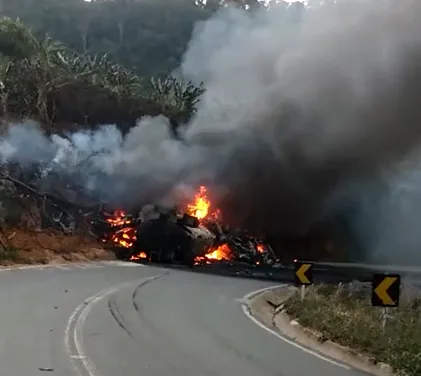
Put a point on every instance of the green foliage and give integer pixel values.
(42, 79)
(346, 317)
(149, 36)
(80, 61)
(169, 93)
(16, 40)
(8, 254)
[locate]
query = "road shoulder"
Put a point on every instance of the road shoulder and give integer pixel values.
(267, 308)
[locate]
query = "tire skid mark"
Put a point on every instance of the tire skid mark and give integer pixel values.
(117, 316)
(160, 333)
(73, 336)
(124, 320)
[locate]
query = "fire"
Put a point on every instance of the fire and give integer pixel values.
(223, 252)
(200, 208)
(121, 229)
(125, 237)
(118, 218)
(260, 248)
(139, 256)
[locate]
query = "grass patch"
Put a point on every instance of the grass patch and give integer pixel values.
(343, 314)
(8, 254)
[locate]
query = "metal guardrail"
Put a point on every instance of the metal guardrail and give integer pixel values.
(327, 273)
(284, 274)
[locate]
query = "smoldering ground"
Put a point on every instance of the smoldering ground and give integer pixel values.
(299, 105)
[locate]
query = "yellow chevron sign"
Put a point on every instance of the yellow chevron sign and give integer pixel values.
(386, 290)
(303, 273)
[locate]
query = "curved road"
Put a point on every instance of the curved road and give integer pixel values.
(109, 319)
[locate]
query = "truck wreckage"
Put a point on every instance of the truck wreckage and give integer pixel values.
(193, 236)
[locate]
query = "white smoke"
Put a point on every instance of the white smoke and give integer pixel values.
(390, 221)
(103, 160)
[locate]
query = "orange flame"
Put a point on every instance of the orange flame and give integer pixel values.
(125, 237)
(200, 208)
(260, 248)
(139, 256)
(118, 218)
(223, 252)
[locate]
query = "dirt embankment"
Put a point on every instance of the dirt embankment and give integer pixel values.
(47, 247)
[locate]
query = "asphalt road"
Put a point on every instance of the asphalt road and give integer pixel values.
(112, 320)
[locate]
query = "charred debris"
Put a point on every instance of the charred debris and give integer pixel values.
(192, 236)
(25, 200)
(26, 204)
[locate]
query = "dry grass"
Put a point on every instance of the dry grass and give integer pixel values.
(344, 314)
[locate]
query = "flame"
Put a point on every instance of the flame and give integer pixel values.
(118, 218)
(139, 256)
(201, 205)
(223, 252)
(260, 248)
(125, 237)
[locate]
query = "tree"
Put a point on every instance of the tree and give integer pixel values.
(43, 79)
(148, 36)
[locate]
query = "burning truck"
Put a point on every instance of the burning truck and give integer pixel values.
(193, 236)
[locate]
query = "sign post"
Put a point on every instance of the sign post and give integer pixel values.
(303, 276)
(385, 293)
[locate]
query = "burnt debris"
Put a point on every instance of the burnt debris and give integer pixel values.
(191, 237)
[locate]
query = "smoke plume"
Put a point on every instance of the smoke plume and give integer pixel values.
(300, 104)
(299, 107)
